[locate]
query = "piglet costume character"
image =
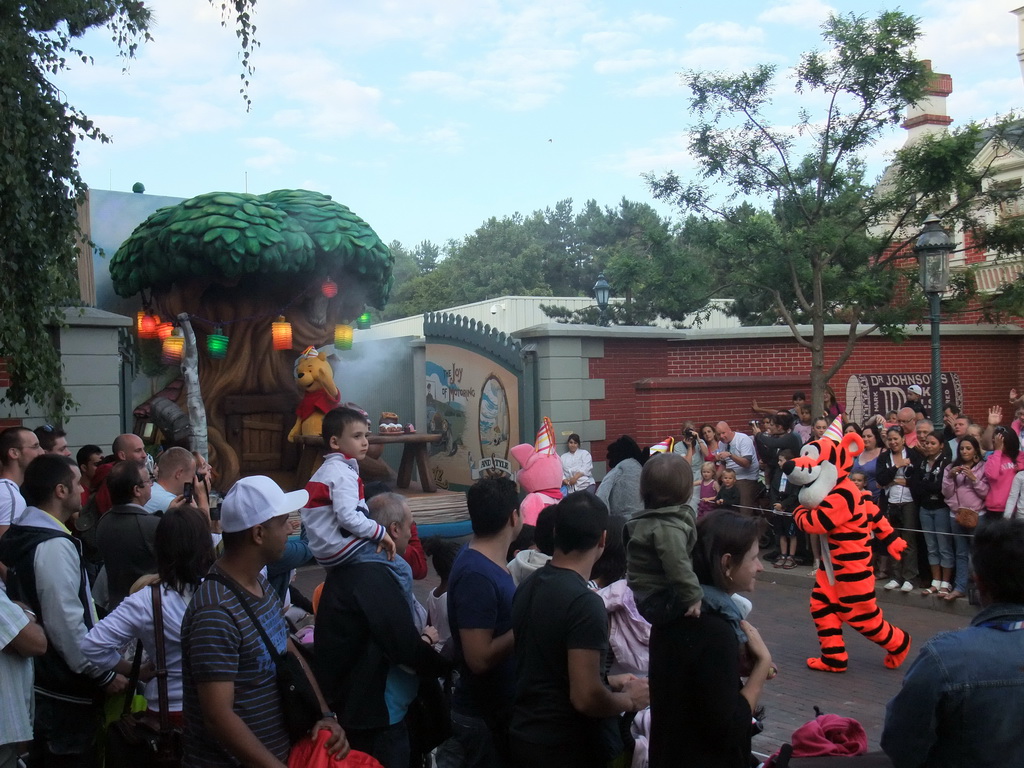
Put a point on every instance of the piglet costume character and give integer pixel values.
(541, 473)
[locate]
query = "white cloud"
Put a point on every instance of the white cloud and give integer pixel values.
(657, 156)
(631, 61)
(799, 13)
(726, 32)
(272, 152)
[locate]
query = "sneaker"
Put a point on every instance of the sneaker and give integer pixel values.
(892, 584)
(907, 587)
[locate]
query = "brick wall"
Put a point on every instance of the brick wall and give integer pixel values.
(652, 386)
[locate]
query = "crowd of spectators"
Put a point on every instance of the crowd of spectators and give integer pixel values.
(546, 634)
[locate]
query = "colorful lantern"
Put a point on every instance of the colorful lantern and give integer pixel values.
(363, 321)
(217, 344)
(138, 321)
(147, 326)
(329, 288)
(164, 330)
(172, 348)
(343, 337)
(281, 332)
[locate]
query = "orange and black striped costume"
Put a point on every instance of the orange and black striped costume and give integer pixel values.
(832, 506)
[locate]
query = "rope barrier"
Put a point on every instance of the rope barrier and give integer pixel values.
(764, 512)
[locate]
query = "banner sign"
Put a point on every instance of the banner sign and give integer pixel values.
(868, 394)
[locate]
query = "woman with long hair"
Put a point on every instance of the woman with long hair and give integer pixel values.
(1001, 466)
(964, 486)
(867, 461)
(833, 407)
(700, 707)
(184, 554)
(925, 481)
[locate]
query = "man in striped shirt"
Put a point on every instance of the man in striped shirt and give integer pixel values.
(232, 707)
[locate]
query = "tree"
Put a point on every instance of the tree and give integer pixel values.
(238, 260)
(830, 246)
(39, 179)
(645, 261)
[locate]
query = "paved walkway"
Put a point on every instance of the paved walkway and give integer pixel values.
(781, 615)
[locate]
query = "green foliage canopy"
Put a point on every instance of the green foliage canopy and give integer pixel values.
(225, 236)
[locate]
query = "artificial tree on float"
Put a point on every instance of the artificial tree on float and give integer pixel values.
(236, 261)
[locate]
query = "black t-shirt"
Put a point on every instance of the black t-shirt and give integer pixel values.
(553, 612)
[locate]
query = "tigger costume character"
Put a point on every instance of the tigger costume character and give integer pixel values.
(834, 508)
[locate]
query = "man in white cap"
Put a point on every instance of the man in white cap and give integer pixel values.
(233, 711)
(914, 393)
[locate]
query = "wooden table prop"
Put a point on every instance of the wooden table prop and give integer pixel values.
(414, 452)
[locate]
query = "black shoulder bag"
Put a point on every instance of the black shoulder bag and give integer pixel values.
(136, 739)
(299, 702)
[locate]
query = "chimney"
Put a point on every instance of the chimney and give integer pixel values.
(928, 116)
(1019, 13)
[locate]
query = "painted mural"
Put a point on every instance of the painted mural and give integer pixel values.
(473, 404)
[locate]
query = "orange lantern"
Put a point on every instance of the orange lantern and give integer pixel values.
(172, 348)
(281, 332)
(138, 321)
(164, 330)
(147, 326)
(329, 288)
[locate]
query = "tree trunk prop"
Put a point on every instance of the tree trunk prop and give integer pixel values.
(252, 365)
(193, 393)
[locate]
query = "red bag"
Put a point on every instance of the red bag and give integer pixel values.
(313, 754)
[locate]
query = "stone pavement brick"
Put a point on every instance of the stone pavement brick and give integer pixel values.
(780, 614)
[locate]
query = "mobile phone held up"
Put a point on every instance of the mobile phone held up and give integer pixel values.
(188, 493)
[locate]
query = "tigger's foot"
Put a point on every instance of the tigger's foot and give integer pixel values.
(893, 660)
(827, 664)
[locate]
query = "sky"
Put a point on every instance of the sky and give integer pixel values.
(427, 117)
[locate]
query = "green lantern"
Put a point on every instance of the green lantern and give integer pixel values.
(363, 321)
(217, 344)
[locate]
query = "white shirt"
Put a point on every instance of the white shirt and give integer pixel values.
(133, 620)
(16, 695)
(900, 494)
(12, 503)
(741, 445)
(578, 462)
(159, 500)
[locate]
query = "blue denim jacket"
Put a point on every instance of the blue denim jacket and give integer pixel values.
(962, 700)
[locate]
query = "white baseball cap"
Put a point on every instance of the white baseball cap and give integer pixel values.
(254, 500)
(915, 389)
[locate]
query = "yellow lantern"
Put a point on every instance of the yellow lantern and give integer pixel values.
(343, 337)
(281, 332)
(172, 348)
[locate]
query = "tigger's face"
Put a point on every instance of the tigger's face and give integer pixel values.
(821, 465)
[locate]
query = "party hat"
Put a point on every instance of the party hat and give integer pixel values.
(545, 442)
(665, 446)
(835, 430)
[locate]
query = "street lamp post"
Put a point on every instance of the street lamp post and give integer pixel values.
(602, 292)
(932, 250)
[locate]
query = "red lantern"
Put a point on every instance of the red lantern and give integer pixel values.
(329, 288)
(147, 326)
(164, 330)
(281, 332)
